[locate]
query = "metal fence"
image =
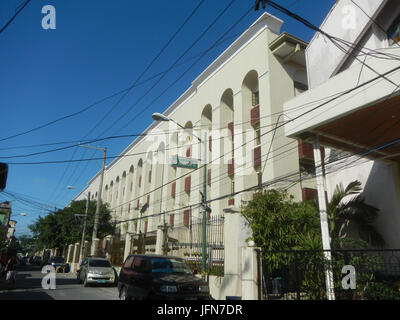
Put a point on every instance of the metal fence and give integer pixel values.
(301, 275)
(188, 243)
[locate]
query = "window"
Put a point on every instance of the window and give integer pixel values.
(128, 263)
(255, 100)
(257, 139)
(99, 263)
(394, 32)
(139, 264)
(170, 266)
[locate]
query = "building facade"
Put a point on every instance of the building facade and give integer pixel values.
(232, 117)
(352, 106)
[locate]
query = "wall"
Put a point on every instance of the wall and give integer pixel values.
(380, 183)
(338, 23)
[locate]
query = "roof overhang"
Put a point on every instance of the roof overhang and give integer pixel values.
(358, 110)
(289, 48)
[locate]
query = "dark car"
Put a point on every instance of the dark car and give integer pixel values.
(57, 262)
(23, 261)
(159, 277)
(37, 260)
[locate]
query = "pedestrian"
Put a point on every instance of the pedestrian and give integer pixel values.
(11, 269)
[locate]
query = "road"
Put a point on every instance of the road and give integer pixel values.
(29, 287)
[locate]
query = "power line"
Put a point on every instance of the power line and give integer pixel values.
(101, 100)
(293, 119)
(14, 16)
(136, 81)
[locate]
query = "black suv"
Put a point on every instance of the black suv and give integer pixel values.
(159, 277)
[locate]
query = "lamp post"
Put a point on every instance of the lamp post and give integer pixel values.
(84, 224)
(160, 117)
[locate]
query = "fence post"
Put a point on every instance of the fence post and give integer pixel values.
(296, 276)
(259, 274)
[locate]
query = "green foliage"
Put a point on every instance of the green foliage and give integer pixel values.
(355, 210)
(279, 223)
(282, 227)
(386, 290)
(62, 228)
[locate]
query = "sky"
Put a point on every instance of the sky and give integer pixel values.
(99, 48)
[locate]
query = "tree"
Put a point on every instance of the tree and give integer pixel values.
(356, 211)
(64, 227)
(279, 223)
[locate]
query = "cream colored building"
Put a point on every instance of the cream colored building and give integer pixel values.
(235, 105)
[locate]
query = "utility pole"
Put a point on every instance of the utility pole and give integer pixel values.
(98, 204)
(204, 205)
(84, 227)
(326, 241)
(96, 216)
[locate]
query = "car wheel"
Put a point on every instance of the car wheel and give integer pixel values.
(123, 294)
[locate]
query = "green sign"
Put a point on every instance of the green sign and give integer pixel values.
(3, 216)
(182, 162)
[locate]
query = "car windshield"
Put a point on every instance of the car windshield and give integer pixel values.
(100, 263)
(169, 266)
(58, 260)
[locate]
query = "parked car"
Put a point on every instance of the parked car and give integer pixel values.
(37, 260)
(159, 277)
(57, 262)
(23, 261)
(96, 270)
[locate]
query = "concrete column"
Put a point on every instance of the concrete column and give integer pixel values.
(128, 243)
(133, 200)
(96, 245)
(86, 251)
(249, 273)
(108, 244)
(76, 253)
(70, 252)
(235, 235)
(326, 241)
(160, 239)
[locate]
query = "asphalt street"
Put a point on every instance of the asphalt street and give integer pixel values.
(28, 286)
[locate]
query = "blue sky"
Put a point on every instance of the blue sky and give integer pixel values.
(99, 47)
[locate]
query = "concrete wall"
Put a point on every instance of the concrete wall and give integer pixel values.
(381, 189)
(345, 21)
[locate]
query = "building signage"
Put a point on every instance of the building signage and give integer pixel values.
(182, 162)
(5, 210)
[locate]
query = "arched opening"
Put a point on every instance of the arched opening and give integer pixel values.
(227, 146)
(251, 117)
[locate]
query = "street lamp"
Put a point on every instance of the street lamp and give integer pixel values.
(160, 117)
(84, 223)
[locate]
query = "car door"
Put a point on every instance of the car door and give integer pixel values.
(125, 274)
(141, 277)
